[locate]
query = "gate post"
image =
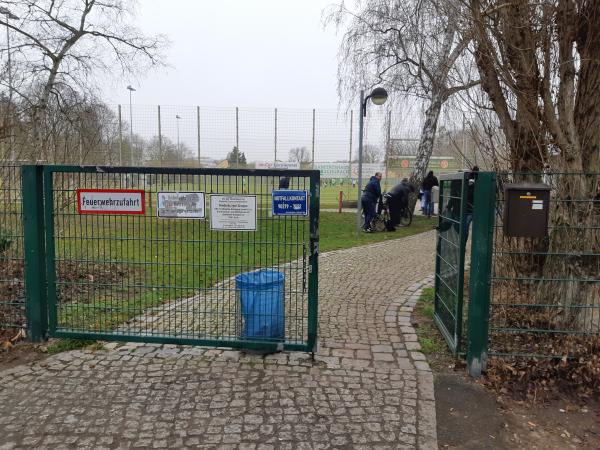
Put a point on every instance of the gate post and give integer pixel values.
(35, 252)
(481, 265)
(313, 276)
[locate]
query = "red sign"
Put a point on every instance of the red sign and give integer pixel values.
(110, 201)
(404, 163)
(444, 164)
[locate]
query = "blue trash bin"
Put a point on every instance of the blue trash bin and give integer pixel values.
(261, 296)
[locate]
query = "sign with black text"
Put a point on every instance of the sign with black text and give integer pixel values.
(110, 201)
(233, 212)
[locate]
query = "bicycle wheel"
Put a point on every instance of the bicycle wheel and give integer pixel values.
(378, 224)
(405, 217)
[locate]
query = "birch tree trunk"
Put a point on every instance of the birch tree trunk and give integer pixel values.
(426, 141)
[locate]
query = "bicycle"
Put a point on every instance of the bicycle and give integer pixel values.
(382, 218)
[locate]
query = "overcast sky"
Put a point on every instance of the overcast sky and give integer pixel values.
(254, 53)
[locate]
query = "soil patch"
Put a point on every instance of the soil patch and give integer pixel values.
(16, 352)
(470, 415)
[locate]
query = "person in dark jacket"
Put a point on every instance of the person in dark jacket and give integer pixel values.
(284, 183)
(397, 199)
(472, 178)
(428, 183)
(370, 198)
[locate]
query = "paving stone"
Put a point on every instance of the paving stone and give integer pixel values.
(369, 386)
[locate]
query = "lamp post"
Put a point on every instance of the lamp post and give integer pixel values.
(378, 96)
(9, 15)
(130, 89)
(177, 117)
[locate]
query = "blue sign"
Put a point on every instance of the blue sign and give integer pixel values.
(290, 203)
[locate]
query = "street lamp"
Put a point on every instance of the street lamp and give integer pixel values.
(9, 15)
(378, 96)
(177, 117)
(130, 89)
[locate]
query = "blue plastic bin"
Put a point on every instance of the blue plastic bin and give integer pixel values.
(262, 303)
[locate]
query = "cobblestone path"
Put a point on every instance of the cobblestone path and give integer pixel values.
(368, 388)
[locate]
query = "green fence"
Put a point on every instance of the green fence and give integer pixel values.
(526, 297)
(449, 260)
(12, 286)
(169, 272)
(546, 292)
(460, 313)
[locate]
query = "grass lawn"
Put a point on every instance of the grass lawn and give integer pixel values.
(338, 231)
(159, 260)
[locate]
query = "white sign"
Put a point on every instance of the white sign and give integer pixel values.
(278, 165)
(180, 205)
(110, 201)
(537, 204)
(233, 212)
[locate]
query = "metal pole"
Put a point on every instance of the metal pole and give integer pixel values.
(313, 140)
(130, 131)
(387, 144)
(10, 92)
(464, 146)
(350, 149)
(198, 128)
(360, 157)
(177, 119)
(160, 153)
(275, 159)
(237, 138)
(80, 146)
(120, 138)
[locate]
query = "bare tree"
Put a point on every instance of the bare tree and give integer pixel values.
(539, 63)
(165, 151)
(414, 47)
(300, 155)
(371, 154)
(60, 48)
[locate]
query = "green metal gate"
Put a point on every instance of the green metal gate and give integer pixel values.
(450, 259)
(154, 254)
(456, 211)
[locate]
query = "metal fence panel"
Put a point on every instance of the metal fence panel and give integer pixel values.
(450, 259)
(547, 290)
(12, 286)
(140, 277)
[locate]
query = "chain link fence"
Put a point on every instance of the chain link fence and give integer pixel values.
(200, 136)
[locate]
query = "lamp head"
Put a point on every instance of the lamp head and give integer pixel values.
(379, 96)
(130, 88)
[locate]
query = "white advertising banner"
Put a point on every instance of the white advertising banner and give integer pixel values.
(233, 212)
(345, 170)
(180, 205)
(278, 165)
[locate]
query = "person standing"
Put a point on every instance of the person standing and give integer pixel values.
(370, 198)
(397, 200)
(284, 183)
(470, 201)
(428, 183)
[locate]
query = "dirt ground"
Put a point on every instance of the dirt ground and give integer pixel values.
(470, 416)
(14, 352)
